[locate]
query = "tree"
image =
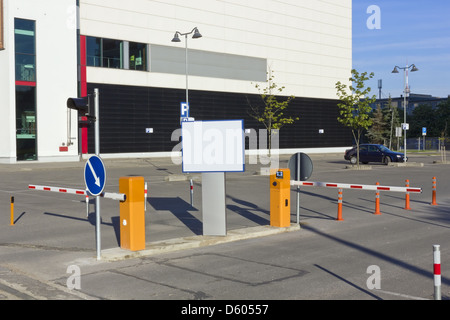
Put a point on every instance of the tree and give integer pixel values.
(271, 113)
(377, 132)
(443, 116)
(424, 115)
(392, 118)
(354, 108)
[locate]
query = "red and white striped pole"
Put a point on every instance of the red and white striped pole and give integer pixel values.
(191, 187)
(87, 204)
(145, 196)
(437, 271)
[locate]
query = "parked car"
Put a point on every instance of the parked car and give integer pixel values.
(374, 153)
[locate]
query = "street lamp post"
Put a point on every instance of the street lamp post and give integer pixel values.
(405, 75)
(176, 38)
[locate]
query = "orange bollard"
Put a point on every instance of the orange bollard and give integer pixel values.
(433, 202)
(407, 207)
(12, 211)
(339, 215)
(377, 201)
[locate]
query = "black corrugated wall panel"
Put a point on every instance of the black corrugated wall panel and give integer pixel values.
(126, 111)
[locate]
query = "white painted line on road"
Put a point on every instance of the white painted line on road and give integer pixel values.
(401, 295)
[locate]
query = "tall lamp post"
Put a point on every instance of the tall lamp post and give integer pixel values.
(405, 75)
(176, 38)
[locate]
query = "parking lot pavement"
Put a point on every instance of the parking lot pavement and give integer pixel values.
(53, 231)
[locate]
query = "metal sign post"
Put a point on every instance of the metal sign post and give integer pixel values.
(301, 167)
(97, 152)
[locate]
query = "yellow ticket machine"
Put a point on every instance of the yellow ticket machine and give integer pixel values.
(280, 198)
(132, 213)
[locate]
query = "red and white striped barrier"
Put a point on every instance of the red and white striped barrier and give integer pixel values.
(354, 186)
(109, 195)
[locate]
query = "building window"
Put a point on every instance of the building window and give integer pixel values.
(112, 53)
(93, 52)
(26, 122)
(24, 40)
(25, 54)
(106, 53)
(118, 54)
(138, 56)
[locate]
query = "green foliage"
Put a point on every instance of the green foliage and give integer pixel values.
(271, 113)
(436, 120)
(378, 131)
(385, 119)
(354, 108)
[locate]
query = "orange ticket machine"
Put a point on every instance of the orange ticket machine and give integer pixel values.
(132, 213)
(280, 198)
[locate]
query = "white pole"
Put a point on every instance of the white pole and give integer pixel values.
(145, 194)
(97, 152)
(437, 272)
(191, 187)
(87, 203)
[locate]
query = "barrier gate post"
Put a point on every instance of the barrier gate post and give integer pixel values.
(280, 197)
(132, 213)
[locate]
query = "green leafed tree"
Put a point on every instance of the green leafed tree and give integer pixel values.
(271, 110)
(377, 132)
(354, 106)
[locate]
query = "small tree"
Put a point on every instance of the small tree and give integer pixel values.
(271, 113)
(354, 108)
(392, 119)
(377, 132)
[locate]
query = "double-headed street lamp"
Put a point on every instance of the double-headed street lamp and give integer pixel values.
(405, 72)
(176, 38)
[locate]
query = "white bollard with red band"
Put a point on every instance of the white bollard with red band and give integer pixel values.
(87, 204)
(437, 271)
(145, 196)
(191, 187)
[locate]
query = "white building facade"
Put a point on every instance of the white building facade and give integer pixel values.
(65, 48)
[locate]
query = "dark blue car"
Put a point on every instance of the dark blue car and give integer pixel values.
(374, 153)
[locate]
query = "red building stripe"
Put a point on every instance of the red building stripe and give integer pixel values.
(83, 90)
(26, 83)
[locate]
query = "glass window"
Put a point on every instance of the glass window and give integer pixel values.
(138, 56)
(93, 52)
(106, 53)
(112, 53)
(26, 122)
(25, 49)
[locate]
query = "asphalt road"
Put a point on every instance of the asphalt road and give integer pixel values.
(50, 251)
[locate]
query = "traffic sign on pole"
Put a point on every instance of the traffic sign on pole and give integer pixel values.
(95, 175)
(184, 109)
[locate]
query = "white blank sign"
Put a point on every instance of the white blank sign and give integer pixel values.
(213, 146)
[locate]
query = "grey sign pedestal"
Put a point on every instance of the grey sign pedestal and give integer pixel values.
(213, 204)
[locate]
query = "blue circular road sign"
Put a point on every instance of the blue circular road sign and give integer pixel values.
(95, 175)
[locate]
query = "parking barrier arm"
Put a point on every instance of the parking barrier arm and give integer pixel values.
(109, 195)
(355, 186)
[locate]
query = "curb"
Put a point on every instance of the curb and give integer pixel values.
(171, 245)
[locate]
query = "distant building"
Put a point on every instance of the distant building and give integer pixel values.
(414, 100)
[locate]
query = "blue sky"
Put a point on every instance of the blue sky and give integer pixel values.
(410, 32)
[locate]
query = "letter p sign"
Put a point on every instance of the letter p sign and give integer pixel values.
(184, 109)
